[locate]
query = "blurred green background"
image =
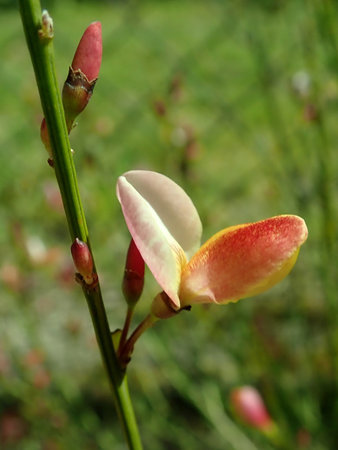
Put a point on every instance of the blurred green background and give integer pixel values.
(237, 102)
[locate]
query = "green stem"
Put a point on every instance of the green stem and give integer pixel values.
(42, 55)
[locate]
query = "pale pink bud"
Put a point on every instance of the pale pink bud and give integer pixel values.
(249, 407)
(83, 260)
(133, 280)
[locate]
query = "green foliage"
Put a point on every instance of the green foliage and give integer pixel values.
(214, 95)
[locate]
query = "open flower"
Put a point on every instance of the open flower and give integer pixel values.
(239, 261)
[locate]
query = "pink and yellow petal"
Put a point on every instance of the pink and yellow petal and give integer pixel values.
(243, 260)
(172, 205)
(160, 251)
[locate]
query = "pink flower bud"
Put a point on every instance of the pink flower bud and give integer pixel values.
(249, 407)
(133, 280)
(83, 73)
(83, 260)
(88, 54)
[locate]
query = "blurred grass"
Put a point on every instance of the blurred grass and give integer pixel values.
(237, 102)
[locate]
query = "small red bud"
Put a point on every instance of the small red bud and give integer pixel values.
(249, 406)
(83, 73)
(83, 260)
(133, 280)
(45, 137)
(88, 54)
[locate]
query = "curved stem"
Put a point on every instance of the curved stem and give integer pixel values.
(127, 349)
(41, 51)
(125, 329)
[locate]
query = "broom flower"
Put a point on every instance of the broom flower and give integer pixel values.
(239, 261)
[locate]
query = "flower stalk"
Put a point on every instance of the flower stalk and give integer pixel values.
(38, 29)
(126, 350)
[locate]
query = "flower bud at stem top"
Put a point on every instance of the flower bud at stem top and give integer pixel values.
(46, 32)
(83, 73)
(133, 280)
(83, 260)
(88, 54)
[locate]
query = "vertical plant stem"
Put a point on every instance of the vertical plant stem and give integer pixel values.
(41, 51)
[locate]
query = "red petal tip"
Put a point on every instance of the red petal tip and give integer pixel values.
(88, 55)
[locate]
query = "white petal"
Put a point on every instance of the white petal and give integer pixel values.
(172, 205)
(160, 251)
